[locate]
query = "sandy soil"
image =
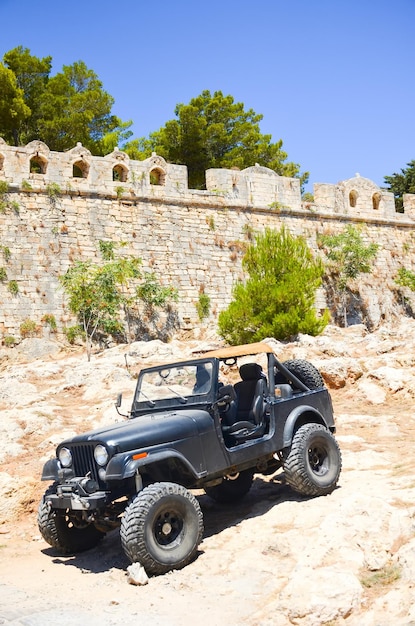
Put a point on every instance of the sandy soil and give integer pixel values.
(248, 553)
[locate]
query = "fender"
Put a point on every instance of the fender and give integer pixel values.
(51, 470)
(124, 465)
(293, 418)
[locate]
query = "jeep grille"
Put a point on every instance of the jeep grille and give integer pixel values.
(83, 460)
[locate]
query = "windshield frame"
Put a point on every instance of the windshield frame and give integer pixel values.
(143, 401)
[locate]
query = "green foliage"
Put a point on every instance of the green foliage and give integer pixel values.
(402, 183)
(3, 274)
(203, 306)
(96, 296)
(307, 197)
(406, 278)
(50, 320)
(28, 328)
(107, 249)
(277, 299)
(98, 293)
(72, 332)
(9, 341)
(13, 287)
(26, 186)
(153, 294)
(60, 110)
(348, 257)
(213, 131)
(384, 577)
(53, 190)
(13, 110)
(348, 254)
(6, 253)
(4, 187)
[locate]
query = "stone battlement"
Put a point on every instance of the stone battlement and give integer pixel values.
(78, 172)
(55, 207)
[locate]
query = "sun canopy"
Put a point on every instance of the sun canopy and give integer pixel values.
(234, 351)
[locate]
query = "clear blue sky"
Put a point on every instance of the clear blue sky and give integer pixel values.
(334, 79)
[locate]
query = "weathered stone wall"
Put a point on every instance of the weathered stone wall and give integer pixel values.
(59, 205)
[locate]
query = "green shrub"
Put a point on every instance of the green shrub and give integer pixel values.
(28, 328)
(277, 299)
(3, 274)
(203, 306)
(13, 287)
(50, 321)
(72, 332)
(9, 341)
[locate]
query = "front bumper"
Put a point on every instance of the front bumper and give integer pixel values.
(66, 497)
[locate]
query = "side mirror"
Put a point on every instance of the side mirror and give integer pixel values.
(118, 404)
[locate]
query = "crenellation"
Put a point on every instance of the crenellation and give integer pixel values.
(192, 239)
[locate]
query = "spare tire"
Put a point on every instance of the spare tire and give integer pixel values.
(304, 371)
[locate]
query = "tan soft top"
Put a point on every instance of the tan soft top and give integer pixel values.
(251, 348)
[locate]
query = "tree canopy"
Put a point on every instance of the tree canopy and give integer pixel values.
(402, 183)
(60, 110)
(215, 131)
(211, 131)
(277, 299)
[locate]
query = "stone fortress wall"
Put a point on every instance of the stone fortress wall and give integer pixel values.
(57, 206)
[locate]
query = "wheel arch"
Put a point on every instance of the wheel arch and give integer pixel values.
(298, 417)
(163, 465)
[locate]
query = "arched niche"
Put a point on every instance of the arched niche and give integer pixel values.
(119, 173)
(376, 201)
(353, 198)
(157, 176)
(80, 169)
(38, 164)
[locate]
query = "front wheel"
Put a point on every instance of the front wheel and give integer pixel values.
(162, 528)
(232, 488)
(313, 463)
(66, 531)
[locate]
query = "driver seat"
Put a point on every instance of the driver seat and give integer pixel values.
(251, 394)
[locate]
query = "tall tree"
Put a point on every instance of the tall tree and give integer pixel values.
(75, 108)
(13, 110)
(32, 75)
(214, 131)
(402, 183)
(277, 299)
(69, 107)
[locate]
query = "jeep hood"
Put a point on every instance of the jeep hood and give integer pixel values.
(148, 430)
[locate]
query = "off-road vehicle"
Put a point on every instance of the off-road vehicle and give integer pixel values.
(190, 428)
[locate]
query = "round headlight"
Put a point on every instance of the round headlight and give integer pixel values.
(65, 457)
(101, 454)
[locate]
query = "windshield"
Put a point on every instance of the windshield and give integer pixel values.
(179, 383)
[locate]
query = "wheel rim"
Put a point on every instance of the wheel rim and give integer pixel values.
(168, 529)
(318, 459)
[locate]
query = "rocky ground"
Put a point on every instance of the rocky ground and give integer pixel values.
(274, 558)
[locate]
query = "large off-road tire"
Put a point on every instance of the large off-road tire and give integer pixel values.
(162, 528)
(65, 530)
(232, 488)
(313, 463)
(304, 371)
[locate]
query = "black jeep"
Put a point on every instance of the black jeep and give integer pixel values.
(190, 428)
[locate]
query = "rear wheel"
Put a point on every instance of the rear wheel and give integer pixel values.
(66, 531)
(313, 463)
(232, 488)
(162, 528)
